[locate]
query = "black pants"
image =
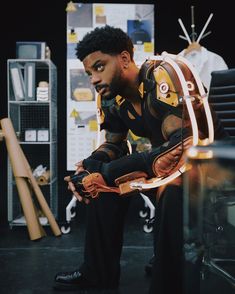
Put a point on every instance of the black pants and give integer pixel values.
(104, 240)
(167, 276)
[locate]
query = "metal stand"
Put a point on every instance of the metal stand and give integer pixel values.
(70, 213)
(149, 216)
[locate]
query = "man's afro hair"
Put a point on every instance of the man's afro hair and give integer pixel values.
(107, 39)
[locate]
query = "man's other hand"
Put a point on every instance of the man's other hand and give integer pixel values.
(72, 188)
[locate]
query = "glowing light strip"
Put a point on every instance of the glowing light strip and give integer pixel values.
(202, 94)
(187, 98)
(167, 57)
(193, 70)
(162, 181)
(209, 119)
(204, 98)
(159, 181)
(156, 57)
(193, 120)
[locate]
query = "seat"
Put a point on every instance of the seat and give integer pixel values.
(222, 98)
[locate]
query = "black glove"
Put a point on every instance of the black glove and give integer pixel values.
(76, 179)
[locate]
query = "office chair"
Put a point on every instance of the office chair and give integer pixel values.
(222, 98)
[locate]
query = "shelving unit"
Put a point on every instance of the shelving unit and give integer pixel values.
(35, 122)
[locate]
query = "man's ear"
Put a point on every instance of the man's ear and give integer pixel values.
(125, 58)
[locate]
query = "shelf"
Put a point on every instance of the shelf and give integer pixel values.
(35, 123)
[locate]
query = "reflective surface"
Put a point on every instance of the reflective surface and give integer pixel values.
(209, 217)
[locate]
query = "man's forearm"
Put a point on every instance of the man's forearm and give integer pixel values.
(110, 151)
(143, 161)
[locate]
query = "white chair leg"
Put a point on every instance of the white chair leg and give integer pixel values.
(69, 215)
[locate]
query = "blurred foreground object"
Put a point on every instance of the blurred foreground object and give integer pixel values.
(209, 212)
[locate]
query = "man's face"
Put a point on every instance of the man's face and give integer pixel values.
(105, 73)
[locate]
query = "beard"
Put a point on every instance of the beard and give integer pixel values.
(115, 87)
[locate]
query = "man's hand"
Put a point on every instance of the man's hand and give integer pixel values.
(72, 187)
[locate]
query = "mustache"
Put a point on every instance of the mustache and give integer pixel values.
(101, 86)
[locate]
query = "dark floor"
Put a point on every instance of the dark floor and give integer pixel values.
(28, 267)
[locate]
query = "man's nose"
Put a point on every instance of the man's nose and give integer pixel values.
(95, 79)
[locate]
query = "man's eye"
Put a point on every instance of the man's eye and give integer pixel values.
(100, 67)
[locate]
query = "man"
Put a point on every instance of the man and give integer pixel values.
(129, 101)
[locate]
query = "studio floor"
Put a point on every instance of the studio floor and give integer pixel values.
(29, 267)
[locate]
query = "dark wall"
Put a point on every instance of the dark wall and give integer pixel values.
(34, 21)
(46, 21)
